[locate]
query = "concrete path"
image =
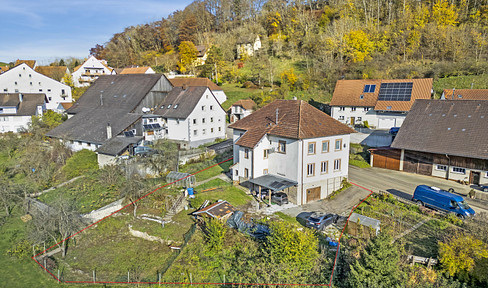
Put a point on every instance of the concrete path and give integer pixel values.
(221, 176)
(55, 187)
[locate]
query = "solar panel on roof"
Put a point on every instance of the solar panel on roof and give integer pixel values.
(147, 126)
(156, 126)
(395, 91)
(128, 134)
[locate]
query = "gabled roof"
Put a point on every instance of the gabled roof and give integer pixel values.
(26, 107)
(117, 145)
(247, 104)
(77, 67)
(180, 82)
(201, 50)
(134, 70)
(54, 72)
(296, 120)
(117, 91)
(453, 127)
(466, 94)
(351, 93)
(30, 63)
(66, 106)
(247, 39)
(3, 69)
(181, 102)
(217, 210)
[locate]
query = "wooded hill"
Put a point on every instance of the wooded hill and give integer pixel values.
(308, 45)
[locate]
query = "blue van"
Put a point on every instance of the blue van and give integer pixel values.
(439, 199)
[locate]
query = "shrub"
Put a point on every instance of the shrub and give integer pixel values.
(80, 163)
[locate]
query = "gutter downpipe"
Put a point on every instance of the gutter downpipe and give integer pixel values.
(448, 167)
(301, 190)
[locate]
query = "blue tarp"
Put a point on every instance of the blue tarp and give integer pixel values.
(258, 231)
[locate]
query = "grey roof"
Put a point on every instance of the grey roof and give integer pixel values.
(91, 125)
(117, 145)
(453, 127)
(28, 106)
(119, 91)
(185, 99)
(366, 221)
(273, 182)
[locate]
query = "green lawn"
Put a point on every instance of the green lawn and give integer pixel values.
(234, 92)
(210, 172)
(227, 192)
(460, 82)
(359, 156)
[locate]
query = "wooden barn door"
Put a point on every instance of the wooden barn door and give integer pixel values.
(313, 194)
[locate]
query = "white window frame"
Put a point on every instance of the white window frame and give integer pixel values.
(310, 169)
(458, 172)
(341, 117)
(337, 164)
(324, 167)
(441, 167)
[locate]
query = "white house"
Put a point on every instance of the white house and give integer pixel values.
(184, 82)
(382, 103)
(241, 109)
(293, 147)
(24, 79)
(192, 116)
(248, 45)
(17, 109)
(89, 71)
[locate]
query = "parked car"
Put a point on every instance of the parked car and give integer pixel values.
(439, 199)
(394, 130)
(484, 187)
(320, 220)
(143, 151)
(279, 198)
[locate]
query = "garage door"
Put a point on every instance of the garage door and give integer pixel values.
(386, 123)
(417, 163)
(387, 159)
(313, 194)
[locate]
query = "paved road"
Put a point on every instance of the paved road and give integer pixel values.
(403, 184)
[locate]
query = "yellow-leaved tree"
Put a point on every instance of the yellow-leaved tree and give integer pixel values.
(460, 253)
(444, 14)
(357, 46)
(188, 54)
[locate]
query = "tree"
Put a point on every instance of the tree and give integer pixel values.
(378, 265)
(10, 195)
(460, 252)
(188, 54)
(132, 190)
(357, 46)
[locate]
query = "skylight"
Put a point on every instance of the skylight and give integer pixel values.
(176, 106)
(169, 106)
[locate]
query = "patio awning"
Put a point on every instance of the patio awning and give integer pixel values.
(273, 182)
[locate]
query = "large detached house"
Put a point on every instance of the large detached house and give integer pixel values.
(442, 138)
(24, 79)
(17, 109)
(382, 103)
(89, 71)
(293, 147)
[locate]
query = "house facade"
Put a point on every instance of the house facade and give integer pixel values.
(17, 109)
(248, 45)
(89, 71)
(441, 138)
(241, 109)
(381, 103)
(300, 149)
(192, 116)
(24, 79)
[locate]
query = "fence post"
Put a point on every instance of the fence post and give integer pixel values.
(128, 276)
(94, 277)
(191, 280)
(58, 277)
(159, 279)
(224, 280)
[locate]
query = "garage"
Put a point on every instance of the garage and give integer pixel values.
(386, 123)
(386, 158)
(420, 163)
(313, 194)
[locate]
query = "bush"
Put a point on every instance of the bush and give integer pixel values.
(80, 163)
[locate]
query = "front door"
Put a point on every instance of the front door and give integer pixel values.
(353, 121)
(313, 194)
(474, 177)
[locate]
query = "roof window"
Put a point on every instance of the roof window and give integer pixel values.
(176, 106)
(369, 89)
(388, 107)
(169, 106)
(361, 96)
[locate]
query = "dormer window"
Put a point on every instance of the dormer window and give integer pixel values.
(369, 88)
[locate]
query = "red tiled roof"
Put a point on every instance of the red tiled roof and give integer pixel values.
(348, 92)
(180, 82)
(296, 120)
(247, 104)
(135, 70)
(466, 94)
(30, 63)
(66, 106)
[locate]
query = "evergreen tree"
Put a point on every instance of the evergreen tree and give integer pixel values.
(378, 265)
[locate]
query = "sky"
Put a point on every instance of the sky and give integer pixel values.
(47, 30)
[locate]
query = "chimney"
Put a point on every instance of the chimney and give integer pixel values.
(277, 113)
(21, 97)
(109, 131)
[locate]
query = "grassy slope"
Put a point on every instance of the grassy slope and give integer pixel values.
(233, 195)
(460, 82)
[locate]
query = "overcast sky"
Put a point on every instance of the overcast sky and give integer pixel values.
(46, 30)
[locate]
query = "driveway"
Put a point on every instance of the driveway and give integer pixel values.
(403, 184)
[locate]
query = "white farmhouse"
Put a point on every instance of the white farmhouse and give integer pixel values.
(89, 71)
(248, 45)
(241, 109)
(293, 147)
(17, 109)
(24, 79)
(382, 103)
(192, 116)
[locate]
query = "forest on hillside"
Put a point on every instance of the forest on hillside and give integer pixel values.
(309, 45)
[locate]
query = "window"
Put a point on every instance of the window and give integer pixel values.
(39, 83)
(246, 153)
(30, 75)
(359, 119)
(246, 173)
(361, 96)
(325, 146)
(16, 90)
(195, 121)
(282, 146)
(169, 106)
(5, 90)
(195, 133)
(459, 170)
(48, 90)
(337, 164)
(441, 167)
(177, 121)
(342, 108)
(1, 110)
(211, 130)
(265, 153)
(211, 119)
(30, 83)
(369, 88)
(388, 107)
(237, 172)
(486, 175)
(324, 167)
(220, 129)
(176, 106)
(311, 169)
(63, 92)
(265, 171)
(40, 90)
(341, 117)
(338, 144)
(20, 75)
(353, 108)
(366, 108)
(203, 131)
(211, 107)
(50, 98)
(203, 107)
(15, 82)
(203, 120)
(311, 148)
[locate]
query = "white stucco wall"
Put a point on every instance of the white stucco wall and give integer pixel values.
(91, 66)
(23, 79)
(348, 112)
(14, 123)
(80, 145)
(220, 95)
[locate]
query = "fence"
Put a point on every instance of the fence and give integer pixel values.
(186, 238)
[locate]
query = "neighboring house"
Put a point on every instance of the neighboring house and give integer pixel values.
(3, 69)
(442, 138)
(248, 45)
(113, 106)
(291, 146)
(241, 109)
(382, 103)
(465, 94)
(202, 55)
(217, 91)
(191, 116)
(108, 153)
(54, 72)
(31, 63)
(17, 109)
(89, 71)
(137, 70)
(23, 79)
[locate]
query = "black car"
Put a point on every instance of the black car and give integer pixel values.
(279, 198)
(320, 220)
